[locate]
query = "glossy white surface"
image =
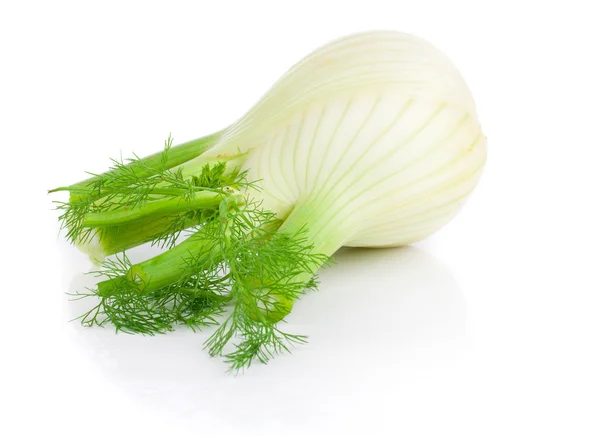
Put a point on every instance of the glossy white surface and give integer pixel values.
(490, 327)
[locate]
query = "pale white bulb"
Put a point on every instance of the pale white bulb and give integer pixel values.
(372, 140)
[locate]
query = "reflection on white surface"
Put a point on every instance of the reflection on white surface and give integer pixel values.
(383, 301)
(377, 311)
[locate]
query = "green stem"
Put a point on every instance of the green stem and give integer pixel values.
(115, 239)
(201, 200)
(164, 269)
(303, 220)
(177, 155)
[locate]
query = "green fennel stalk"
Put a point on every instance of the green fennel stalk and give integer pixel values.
(235, 269)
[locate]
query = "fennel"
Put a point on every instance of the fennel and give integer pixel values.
(372, 140)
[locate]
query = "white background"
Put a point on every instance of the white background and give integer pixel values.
(489, 327)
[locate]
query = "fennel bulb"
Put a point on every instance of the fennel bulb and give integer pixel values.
(373, 140)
